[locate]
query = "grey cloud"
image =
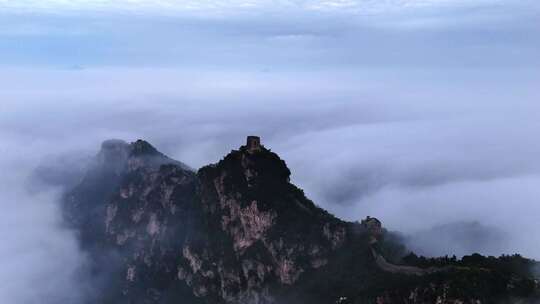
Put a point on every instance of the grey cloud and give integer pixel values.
(459, 238)
(278, 40)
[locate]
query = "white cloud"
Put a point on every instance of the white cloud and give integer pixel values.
(385, 14)
(172, 6)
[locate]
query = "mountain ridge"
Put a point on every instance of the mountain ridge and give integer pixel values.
(238, 231)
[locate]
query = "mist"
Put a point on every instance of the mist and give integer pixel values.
(411, 161)
(425, 118)
(39, 258)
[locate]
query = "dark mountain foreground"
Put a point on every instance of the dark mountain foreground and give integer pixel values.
(238, 231)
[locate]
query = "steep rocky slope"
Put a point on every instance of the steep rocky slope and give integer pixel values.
(239, 232)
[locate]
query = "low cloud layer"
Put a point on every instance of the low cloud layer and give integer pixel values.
(428, 156)
(39, 259)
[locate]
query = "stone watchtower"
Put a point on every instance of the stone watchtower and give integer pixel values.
(253, 143)
(373, 227)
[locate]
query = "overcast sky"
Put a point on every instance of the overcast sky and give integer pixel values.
(423, 113)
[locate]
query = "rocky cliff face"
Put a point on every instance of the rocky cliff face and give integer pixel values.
(238, 232)
(269, 233)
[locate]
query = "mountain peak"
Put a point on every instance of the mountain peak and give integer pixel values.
(117, 155)
(252, 166)
(117, 147)
(142, 147)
